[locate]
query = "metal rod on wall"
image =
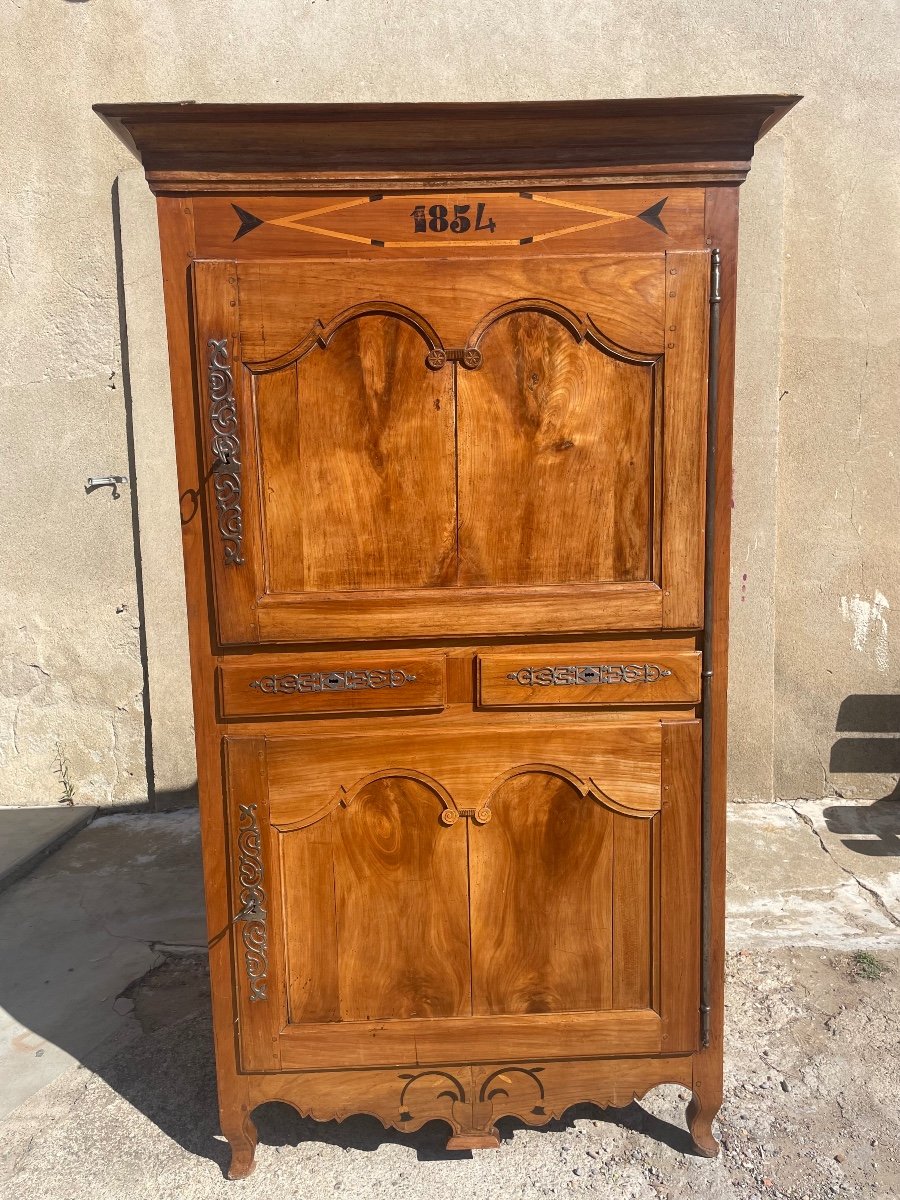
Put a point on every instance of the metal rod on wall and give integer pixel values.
(712, 413)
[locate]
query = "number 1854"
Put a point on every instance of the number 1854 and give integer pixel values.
(438, 219)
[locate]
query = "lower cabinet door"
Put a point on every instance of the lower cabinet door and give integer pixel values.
(425, 896)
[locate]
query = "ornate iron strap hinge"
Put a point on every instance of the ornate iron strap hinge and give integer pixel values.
(226, 447)
(252, 898)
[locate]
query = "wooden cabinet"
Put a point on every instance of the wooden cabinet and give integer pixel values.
(452, 392)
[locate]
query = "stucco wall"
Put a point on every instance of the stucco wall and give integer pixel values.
(815, 565)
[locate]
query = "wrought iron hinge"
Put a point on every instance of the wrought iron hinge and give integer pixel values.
(252, 898)
(226, 448)
(715, 281)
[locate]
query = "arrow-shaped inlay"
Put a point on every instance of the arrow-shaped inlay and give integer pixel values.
(248, 221)
(651, 215)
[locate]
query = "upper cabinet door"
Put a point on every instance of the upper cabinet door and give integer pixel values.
(454, 447)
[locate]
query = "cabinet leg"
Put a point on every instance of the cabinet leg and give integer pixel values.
(700, 1117)
(474, 1141)
(241, 1137)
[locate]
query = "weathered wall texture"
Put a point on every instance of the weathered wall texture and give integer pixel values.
(816, 562)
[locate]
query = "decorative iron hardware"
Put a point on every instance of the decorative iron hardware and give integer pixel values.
(333, 681)
(252, 897)
(226, 447)
(603, 673)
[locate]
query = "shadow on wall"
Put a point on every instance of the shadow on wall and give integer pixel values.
(872, 829)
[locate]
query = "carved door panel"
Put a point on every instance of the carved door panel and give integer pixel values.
(507, 891)
(557, 445)
(429, 449)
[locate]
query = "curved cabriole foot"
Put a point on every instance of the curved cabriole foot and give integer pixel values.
(699, 1122)
(242, 1139)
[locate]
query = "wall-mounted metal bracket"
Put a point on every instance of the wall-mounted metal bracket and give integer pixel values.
(97, 481)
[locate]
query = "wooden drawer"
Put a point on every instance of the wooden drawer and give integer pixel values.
(334, 683)
(587, 676)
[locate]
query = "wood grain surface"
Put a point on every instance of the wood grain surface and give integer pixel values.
(619, 765)
(330, 684)
(532, 679)
(280, 302)
(511, 225)
(387, 901)
(357, 465)
(684, 443)
(436, 1040)
(541, 887)
(555, 459)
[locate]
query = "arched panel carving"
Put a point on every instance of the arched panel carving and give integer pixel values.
(618, 768)
(321, 333)
(581, 328)
(541, 899)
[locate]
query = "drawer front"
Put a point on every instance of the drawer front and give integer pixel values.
(587, 677)
(324, 684)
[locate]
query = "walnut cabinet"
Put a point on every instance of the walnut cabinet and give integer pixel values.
(452, 392)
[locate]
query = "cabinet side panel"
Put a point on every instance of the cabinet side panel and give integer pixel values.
(721, 231)
(176, 240)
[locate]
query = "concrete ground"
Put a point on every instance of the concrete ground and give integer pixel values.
(30, 834)
(107, 1084)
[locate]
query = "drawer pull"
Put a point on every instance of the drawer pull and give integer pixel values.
(314, 685)
(602, 673)
(333, 681)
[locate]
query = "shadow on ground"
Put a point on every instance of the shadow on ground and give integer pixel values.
(870, 746)
(168, 1075)
(106, 937)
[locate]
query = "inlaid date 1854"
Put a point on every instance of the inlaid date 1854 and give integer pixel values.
(437, 219)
